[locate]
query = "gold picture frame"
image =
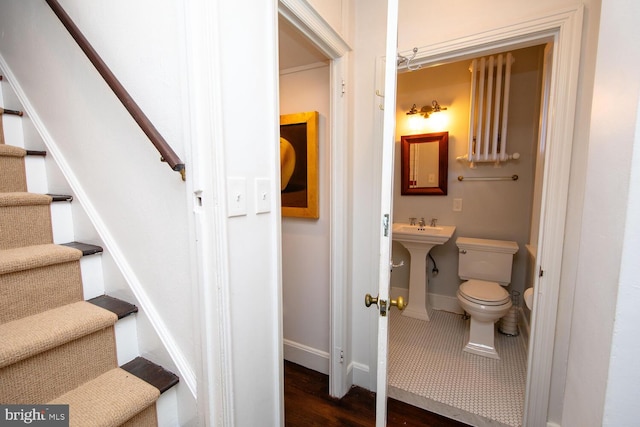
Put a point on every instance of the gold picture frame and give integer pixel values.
(299, 165)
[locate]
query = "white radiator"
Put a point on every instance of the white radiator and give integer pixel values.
(489, 112)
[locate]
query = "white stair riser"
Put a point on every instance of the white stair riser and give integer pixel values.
(13, 134)
(36, 174)
(92, 278)
(62, 222)
(167, 409)
(126, 339)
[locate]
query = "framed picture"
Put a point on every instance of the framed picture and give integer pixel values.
(299, 164)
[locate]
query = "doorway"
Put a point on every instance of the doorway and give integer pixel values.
(563, 32)
(426, 362)
(304, 87)
(314, 50)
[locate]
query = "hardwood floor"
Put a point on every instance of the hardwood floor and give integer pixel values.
(307, 403)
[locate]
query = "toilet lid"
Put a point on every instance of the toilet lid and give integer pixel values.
(483, 292)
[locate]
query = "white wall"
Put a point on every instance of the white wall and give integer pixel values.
(425, 24)
(305, 242)
(491, 209)
(241, 82)
(333, 11)
(624, 375)
(607, 372)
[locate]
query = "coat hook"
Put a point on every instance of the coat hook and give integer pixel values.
(415, 51)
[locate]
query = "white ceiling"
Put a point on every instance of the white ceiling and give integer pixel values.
(295, 49)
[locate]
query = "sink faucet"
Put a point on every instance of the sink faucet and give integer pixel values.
(422, 223)
(433, 222)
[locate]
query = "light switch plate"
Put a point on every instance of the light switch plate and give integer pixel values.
(236, 197)
(457, 205)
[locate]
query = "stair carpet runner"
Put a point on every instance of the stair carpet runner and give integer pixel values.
(56, 348)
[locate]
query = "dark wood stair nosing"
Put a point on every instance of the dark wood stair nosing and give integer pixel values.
(86, 248)
(36, 153)
(121, 308)
(153, 374)
(61, 197)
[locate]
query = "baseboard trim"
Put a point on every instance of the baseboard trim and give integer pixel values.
(436, 301)
(306, 356)
(360, 374)
(445, 303)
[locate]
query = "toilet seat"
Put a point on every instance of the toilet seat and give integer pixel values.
(483, 292)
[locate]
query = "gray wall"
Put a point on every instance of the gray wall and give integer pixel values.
(490, 209)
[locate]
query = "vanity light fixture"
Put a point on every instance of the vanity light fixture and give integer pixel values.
(426, 110)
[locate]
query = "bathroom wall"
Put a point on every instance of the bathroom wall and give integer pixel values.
(490, 209)
(305, 242)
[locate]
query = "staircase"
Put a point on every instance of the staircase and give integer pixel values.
(55, 347)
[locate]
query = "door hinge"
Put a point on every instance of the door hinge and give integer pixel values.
(344, 88)
(540, 272)
(341, 356)
(385, 224)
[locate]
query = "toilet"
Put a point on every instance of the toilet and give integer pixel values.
(485, 265)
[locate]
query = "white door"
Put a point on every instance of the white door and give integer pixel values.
(388, 140)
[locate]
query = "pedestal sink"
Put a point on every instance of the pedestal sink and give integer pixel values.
(419, 240)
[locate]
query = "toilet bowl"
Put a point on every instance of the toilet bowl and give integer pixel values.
(485, 302)
(485, 265)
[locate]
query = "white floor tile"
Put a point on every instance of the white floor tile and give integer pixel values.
(428, 368)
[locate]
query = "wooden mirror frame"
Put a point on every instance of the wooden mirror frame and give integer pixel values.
(442, 139)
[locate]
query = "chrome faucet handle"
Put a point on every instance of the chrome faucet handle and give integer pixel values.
(433, 222)
(412, 221)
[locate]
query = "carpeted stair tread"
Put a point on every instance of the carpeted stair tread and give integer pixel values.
(35, 334)
(25, 219)
(38, 278)
(13, 176)
(146, 418)
(20, 198)
(12, 151)
(28, 257)
(109, 400)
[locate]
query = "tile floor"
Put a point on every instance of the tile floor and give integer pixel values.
(428, 369)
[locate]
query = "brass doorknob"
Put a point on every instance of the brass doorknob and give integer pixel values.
(399, 303)
(368, 300)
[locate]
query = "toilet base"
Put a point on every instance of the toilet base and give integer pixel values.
(481, 350)
(482, 339)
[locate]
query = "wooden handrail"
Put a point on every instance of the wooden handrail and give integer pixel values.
(166, 152)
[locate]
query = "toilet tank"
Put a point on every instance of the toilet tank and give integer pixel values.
(485, 259)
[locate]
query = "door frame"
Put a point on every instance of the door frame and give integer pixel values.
(303, 17)
(562, 28)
